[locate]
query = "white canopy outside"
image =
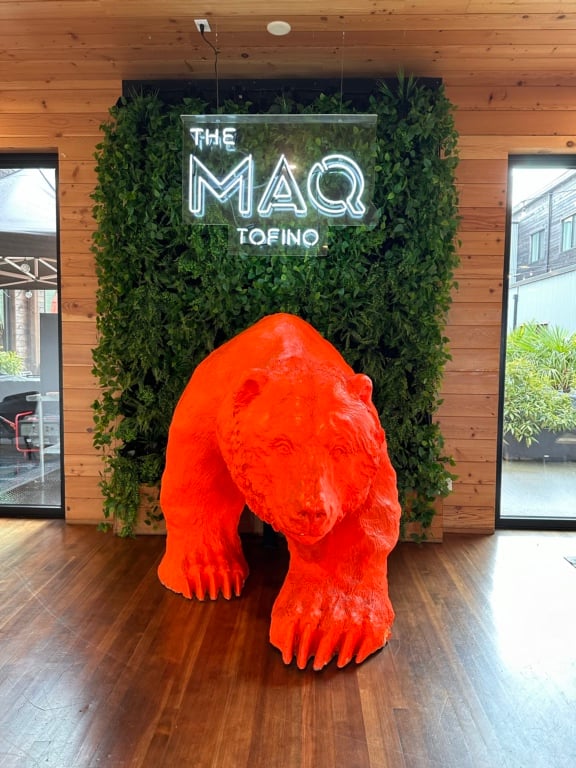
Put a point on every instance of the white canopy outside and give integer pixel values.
(28, 228)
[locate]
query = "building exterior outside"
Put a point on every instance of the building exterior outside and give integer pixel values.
(542, 276)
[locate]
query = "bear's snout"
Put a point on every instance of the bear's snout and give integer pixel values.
(313, 518)
(316, 509)
(311, 524)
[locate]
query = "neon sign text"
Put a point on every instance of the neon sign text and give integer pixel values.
(219, 137)
(282, 193)
(306, 238)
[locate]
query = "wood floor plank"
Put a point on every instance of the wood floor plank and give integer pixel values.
(102, 666)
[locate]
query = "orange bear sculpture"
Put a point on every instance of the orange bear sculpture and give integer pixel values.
(277, 420)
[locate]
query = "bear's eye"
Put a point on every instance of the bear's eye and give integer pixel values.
(338, 451)
(282, 445)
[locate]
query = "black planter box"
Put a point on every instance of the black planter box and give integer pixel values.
(551, 446)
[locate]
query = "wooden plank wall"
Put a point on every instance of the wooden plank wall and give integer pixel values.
(64, 116)
(494, 118)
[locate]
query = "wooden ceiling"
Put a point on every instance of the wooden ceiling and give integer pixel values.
(503, 41)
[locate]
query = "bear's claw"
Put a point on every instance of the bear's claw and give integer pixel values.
(301, 643)
(201, 580)
(209, 582)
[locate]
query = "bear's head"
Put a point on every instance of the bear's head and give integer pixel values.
(303, 444)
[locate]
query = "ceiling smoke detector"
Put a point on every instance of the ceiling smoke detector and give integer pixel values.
(279, 28)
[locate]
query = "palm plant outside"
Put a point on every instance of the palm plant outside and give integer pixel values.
(540, 387)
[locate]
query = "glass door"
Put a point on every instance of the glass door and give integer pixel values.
(537, 452)
(30, 423)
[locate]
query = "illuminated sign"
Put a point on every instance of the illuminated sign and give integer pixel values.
(278, 181)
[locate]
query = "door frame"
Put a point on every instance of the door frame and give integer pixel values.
(49, 160)
(512, 523)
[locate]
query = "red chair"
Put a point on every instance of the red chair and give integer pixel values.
(14, 411)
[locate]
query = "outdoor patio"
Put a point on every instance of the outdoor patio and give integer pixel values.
(538, 489)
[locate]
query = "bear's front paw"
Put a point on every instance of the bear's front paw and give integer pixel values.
(325, 627)
(204, 574)
(211, 580)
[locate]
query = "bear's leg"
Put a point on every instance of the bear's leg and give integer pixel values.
(334, 601)
(202, 507)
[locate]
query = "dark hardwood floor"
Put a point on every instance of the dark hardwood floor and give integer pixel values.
(101, 667)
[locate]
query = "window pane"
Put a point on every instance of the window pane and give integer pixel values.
(535, 241)
(30, 468)
(537, 451)
(567, 227)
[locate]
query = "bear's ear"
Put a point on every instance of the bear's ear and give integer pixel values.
(249, 388)
(360, 385)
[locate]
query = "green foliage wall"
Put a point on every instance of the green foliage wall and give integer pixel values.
(169, 292)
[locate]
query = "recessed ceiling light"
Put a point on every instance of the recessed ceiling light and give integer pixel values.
(279, 28)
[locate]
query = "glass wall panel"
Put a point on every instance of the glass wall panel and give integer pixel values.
(30, 423)
(537, 478)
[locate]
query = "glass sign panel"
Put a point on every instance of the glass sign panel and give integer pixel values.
(278, 181)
